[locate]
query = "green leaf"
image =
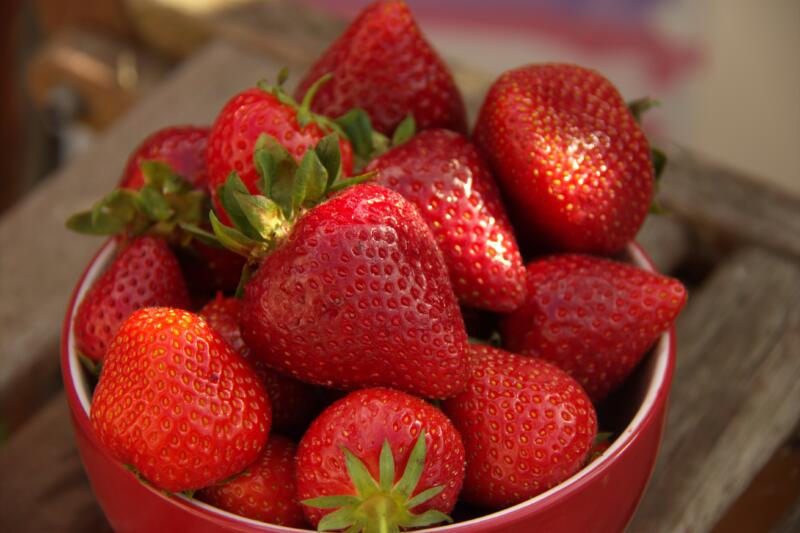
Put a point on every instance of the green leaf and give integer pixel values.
(424, 496)
(386, 478)
(283, 75)
(414, 467)
(309, 181)
(362, 480)
(230, 202)
(232, 239)
(657, 209)
(337, 520)
(265, 166)
(206, 237)
(88, 224)
(358, 128)
(305, 104)
(603, 436)
(243, 279)
(280, 168)
(429, 517)
(264, 215)
(153, 204)
(355, 180)
(332, 502)
(404, 131)
(330, 156)
(659, 159)
(639, 106)
(163, 178)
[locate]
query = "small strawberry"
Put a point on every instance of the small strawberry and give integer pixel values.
(444, 175)
(594, 318)
(294, 403)
(178, 404)
(569, 156)
(383, 64)
(266, 491)
(144, 274)
(383, 460)
(264, 111)
(526, 425)
(183, 148)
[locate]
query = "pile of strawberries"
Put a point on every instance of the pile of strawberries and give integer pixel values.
(300, 356)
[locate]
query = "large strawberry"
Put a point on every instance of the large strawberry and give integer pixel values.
(349, 292)
(144, 274)
(383, 460)
(177, 403)
(294, 403)
(593, 317)
(266, 491)
(253, 114)
(444, 175)
(569, 156)
(526, 426)
(183, 148)
(383, 64)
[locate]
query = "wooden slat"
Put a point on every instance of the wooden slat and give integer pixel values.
(40, 261)
(736, 393)
(44, 487)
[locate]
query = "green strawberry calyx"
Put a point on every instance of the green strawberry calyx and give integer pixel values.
(382, 505)
(286, 190)
(638, 108)
(162, 206)
(368, 143)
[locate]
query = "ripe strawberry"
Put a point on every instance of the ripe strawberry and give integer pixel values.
(569, 157)
(383, 64)
(183, 148)
(442, 173)
(144, 274)
(177, 403)
(246, 118)
(294, 403)
(594, 318)
(266, 491)
(526, 425)
(358, 295)
(378, 455)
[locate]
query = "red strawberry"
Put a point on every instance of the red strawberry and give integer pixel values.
(177, 403)
(183, 148)
(358, 295)
(240, 124)
(377, 455)
(144, 274)
(593, 317)
(266, 491)
(526, 425)
(294, 403)
(569, 157)
(442, 173)
(383, 64)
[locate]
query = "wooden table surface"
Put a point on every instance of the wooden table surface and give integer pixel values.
(736, 394)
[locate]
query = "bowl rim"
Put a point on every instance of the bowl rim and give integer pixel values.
(76, 386)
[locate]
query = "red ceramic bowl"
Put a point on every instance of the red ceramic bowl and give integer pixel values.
(600, 498)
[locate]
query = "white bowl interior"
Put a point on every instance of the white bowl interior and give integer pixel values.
(651, 374)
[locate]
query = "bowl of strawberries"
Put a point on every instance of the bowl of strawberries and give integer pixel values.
(337, 310)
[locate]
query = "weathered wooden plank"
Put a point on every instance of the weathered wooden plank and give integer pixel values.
(736, 393)
(666, 240)
(44, 487)
(739, 206)
(40, 261)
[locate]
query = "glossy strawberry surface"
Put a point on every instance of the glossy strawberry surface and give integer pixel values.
(526, 426)
(384, 65)
(361, 422)
(593, 317)
(569, 157)
(294, 403)
(178, 404)
(358, 295)
(144, 274)
(242, 121)
(266, 490)
(444, 175)
(183, 148)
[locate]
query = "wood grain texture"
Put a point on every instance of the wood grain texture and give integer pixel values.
(41, 261)
(736, 392)
(44, 487)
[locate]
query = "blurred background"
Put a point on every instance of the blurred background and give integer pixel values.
(726, 71)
